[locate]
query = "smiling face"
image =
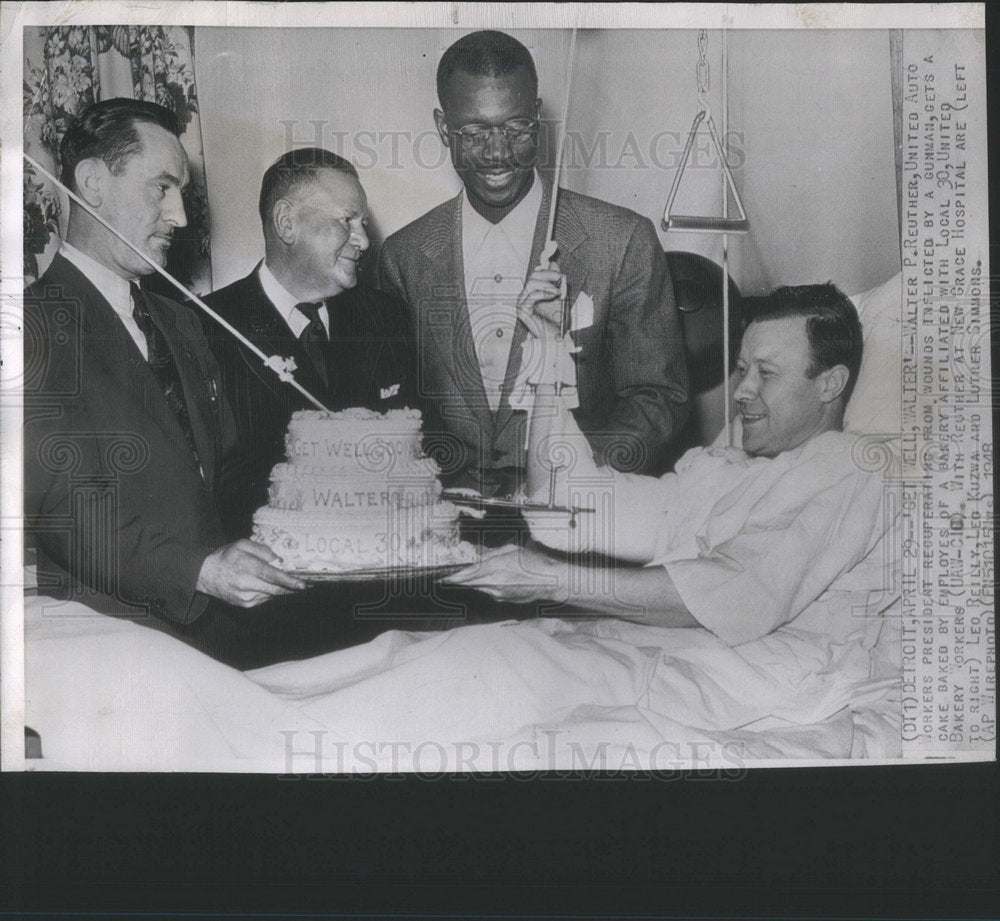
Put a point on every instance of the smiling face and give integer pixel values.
(143, 202)
(501, 170)
(780, 406)
(324, 223)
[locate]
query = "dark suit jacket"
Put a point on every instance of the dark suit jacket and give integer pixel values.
(121, 515)
(370, 354)
(631, 371)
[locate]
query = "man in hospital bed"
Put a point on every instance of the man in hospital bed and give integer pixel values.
(739, 541)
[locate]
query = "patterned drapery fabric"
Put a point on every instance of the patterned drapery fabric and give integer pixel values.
(66, 69)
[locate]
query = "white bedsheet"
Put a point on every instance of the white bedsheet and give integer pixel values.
(106, 694)
(540, 695)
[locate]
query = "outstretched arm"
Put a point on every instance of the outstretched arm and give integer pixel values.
(523, 575)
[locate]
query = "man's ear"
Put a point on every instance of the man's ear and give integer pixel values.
(538, 108)
(442, 126)
(89, 176)
(833, 382)
(283, 221)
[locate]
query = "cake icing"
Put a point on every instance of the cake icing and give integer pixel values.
(356, 492)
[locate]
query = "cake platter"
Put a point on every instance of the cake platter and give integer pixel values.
(381, 574)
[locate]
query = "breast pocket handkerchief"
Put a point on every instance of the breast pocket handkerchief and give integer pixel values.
(582, 313)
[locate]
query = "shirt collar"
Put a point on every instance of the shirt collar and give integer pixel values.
(112, 286)
(519, 224)
(285, 303)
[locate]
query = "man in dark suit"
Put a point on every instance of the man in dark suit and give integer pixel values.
(126, 431)
(466, 269)
(351, 344)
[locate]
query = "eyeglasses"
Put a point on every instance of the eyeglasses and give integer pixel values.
(516, 131)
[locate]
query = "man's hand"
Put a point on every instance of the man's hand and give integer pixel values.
(540, 303)
(517, 575)
(241, 573)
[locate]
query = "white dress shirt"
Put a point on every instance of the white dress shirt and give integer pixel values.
(113, 287)
(495, 257)
(285, 303)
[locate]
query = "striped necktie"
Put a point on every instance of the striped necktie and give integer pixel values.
(161, 363)
(314, 338)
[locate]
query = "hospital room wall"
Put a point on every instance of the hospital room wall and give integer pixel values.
(819, 180)
(809, 116)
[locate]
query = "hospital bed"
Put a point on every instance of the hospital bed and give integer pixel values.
(107, 694)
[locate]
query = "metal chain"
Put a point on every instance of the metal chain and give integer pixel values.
(702, 70)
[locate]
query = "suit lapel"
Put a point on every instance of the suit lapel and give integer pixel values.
(349, 354)
(569, 233)
(103, 335)
(108, 344)
(270, 333)
(194, 384)
(445, 321)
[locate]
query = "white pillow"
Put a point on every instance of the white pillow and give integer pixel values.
(875, 406)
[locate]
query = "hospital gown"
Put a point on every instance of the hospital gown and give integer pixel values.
(751, 543)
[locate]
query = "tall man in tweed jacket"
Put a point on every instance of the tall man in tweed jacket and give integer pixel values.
(467, 266)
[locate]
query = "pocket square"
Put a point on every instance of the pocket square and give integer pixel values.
(582, 314)
(390, 391)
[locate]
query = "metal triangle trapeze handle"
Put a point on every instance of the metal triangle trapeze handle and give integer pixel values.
(704, 223)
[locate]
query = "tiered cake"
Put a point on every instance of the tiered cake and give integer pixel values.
(357, 493)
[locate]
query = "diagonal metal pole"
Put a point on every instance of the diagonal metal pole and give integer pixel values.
(551, 247)
(725, 238)
(549, 252)
(562, 137)
(275, 362)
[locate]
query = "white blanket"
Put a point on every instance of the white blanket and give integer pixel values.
(547, 694)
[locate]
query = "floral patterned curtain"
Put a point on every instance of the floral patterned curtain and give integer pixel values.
(66, 69)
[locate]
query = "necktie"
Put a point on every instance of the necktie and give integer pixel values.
(314, 339)
(161, 363)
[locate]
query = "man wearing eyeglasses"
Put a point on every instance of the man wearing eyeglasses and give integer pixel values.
(468, 266)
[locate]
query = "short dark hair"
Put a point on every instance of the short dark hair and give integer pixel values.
(832, 325)
(107, 131)
(484, 54)
(294, 169)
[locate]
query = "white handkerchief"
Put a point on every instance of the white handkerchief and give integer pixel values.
(386, 392)
(582, 314)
